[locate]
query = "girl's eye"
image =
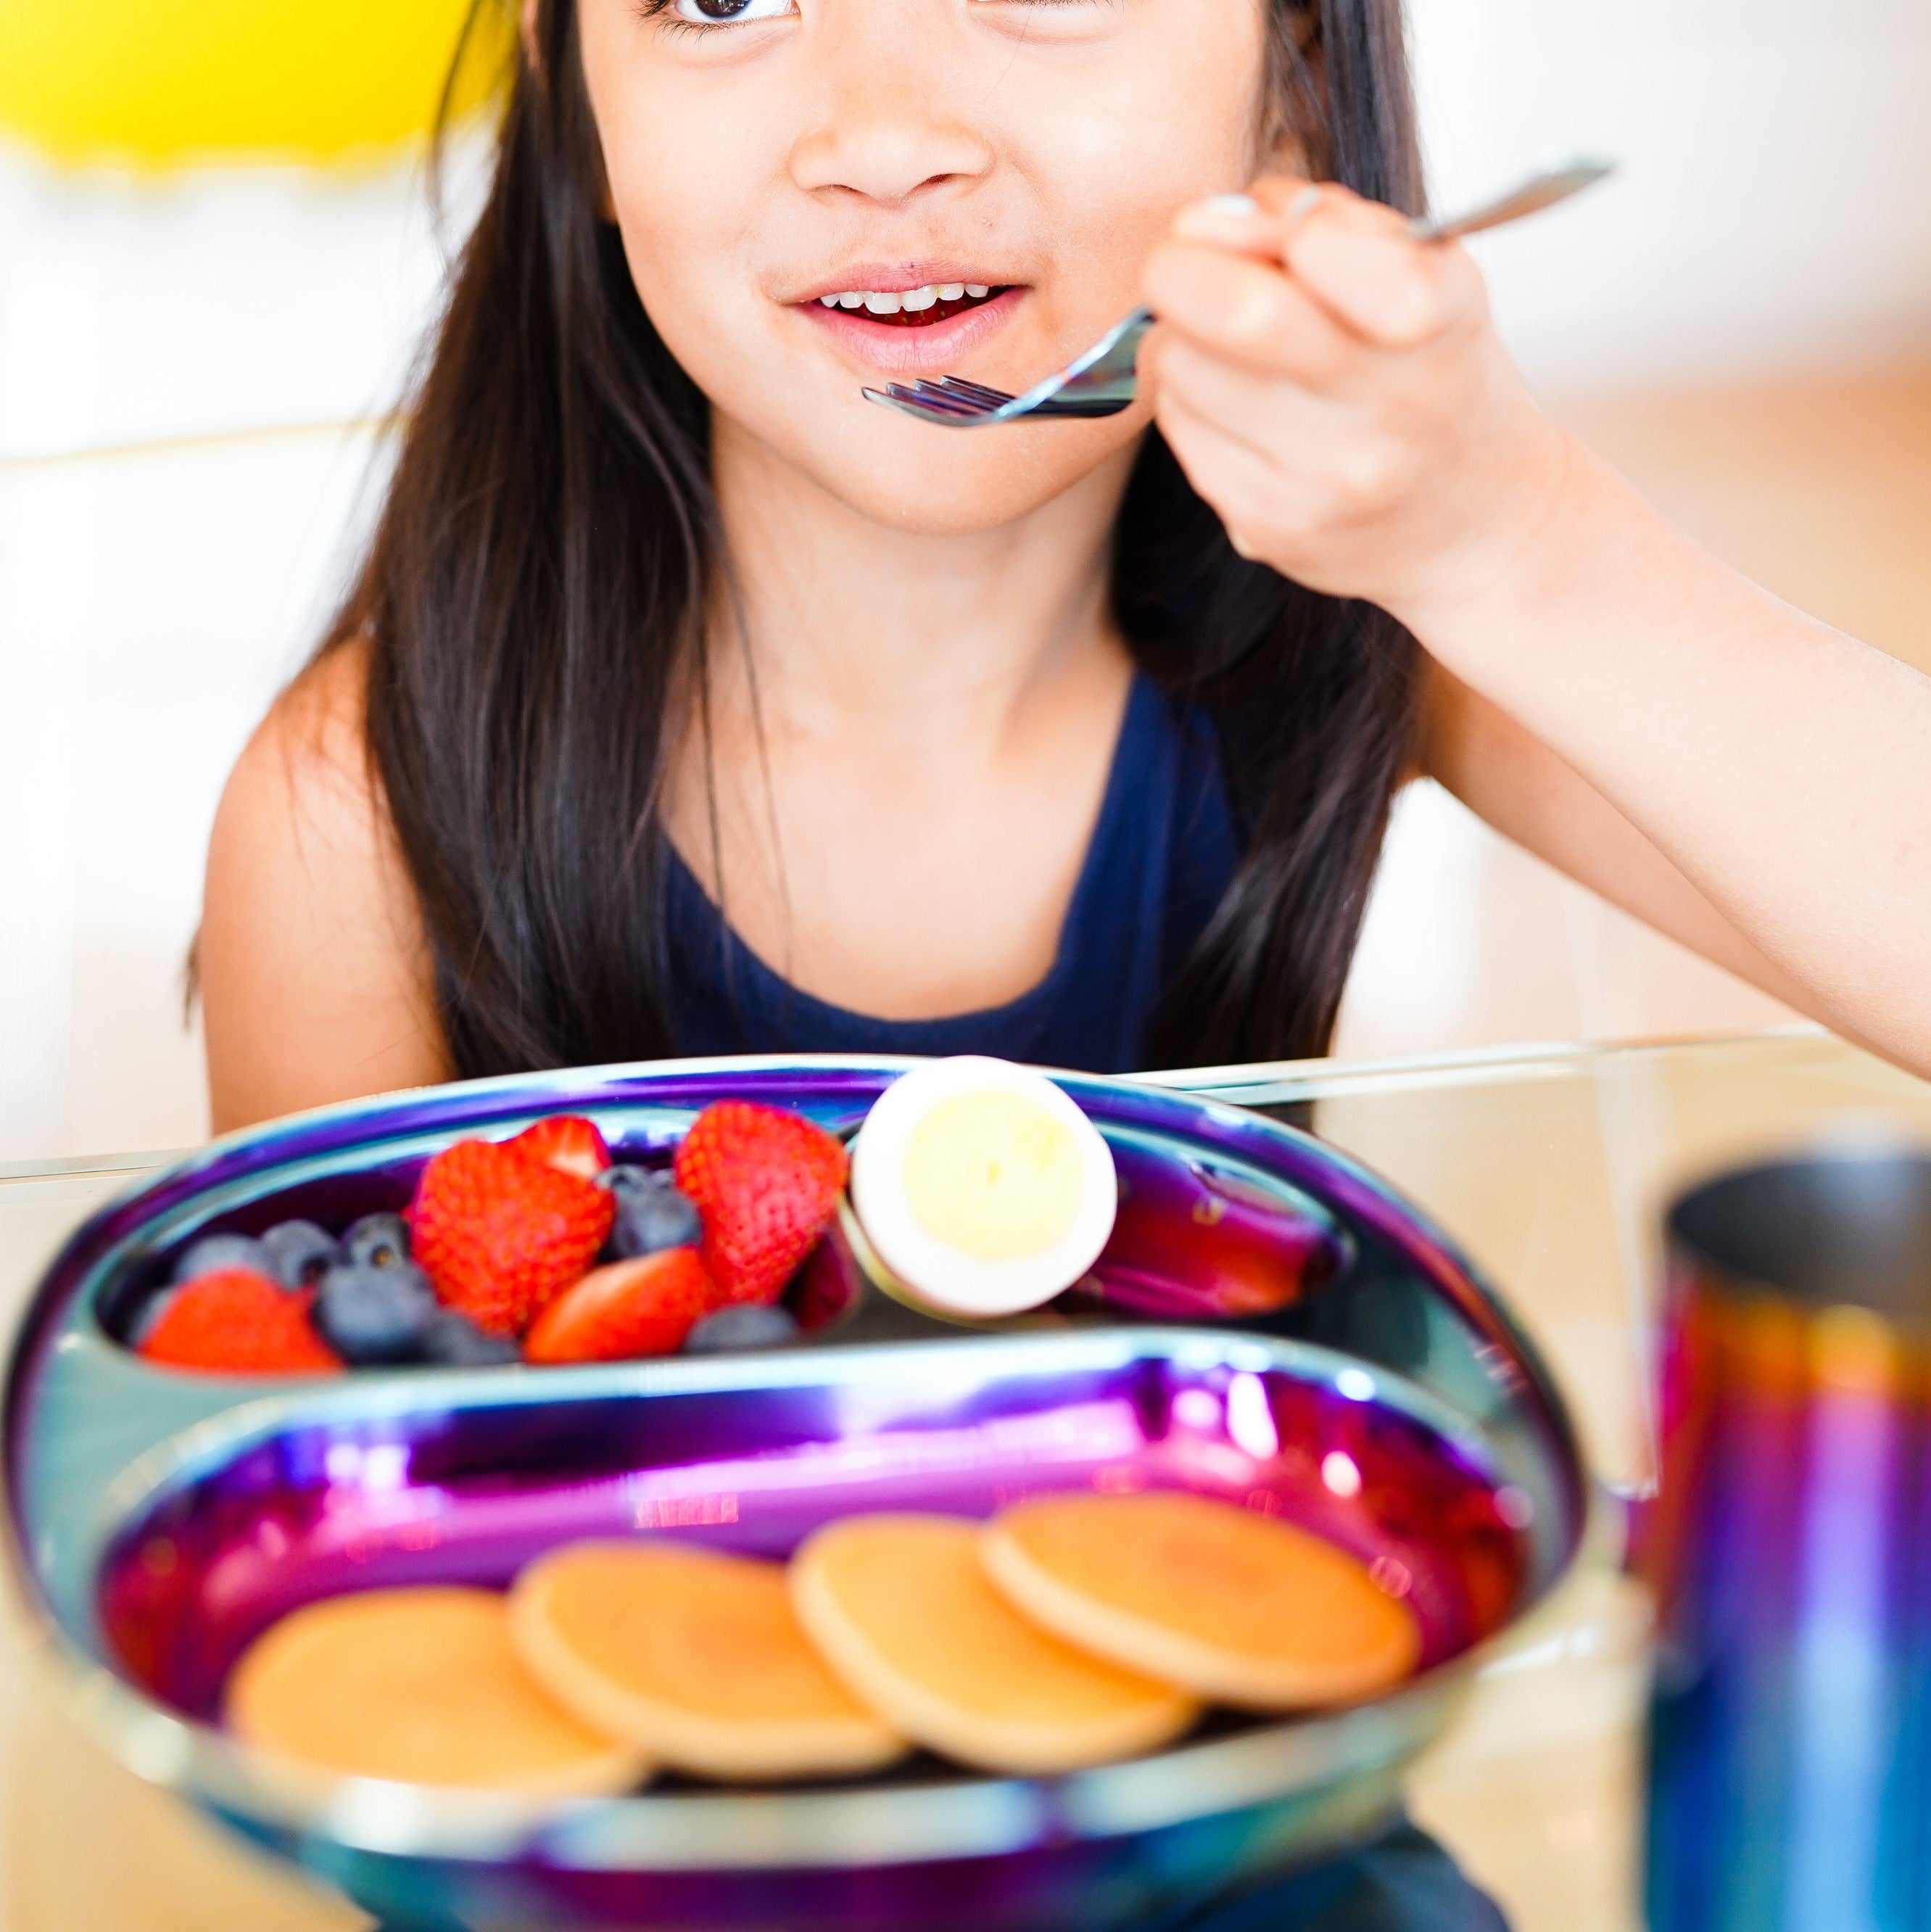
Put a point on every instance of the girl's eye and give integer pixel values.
(731, 12)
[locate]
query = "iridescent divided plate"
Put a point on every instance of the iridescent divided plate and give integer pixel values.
(1270, 1325)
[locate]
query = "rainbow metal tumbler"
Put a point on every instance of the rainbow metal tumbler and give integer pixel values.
(1790, 1550)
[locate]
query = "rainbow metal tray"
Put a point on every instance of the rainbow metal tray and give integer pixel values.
(1270, 1325)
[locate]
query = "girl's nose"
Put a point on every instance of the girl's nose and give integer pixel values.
(887, 136)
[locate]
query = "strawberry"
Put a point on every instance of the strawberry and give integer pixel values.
(641, 1307)
(568, 1142)
(238, 1321)
(767, 1184)
(500, 1234)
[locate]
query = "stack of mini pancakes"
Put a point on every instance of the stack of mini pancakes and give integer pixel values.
(1068, 1631)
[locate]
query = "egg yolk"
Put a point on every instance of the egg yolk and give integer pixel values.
(992, 1175)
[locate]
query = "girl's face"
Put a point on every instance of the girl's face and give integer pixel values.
(764, 155)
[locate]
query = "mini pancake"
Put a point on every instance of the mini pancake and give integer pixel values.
(694, 1656)
(421, 1686)
(901, 1608)
(1234, 1607)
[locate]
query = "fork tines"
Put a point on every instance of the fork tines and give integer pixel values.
(925, 395)
(993, 399)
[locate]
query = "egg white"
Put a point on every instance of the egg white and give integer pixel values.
(949, 1280)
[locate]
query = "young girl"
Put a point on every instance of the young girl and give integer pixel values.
(688, 703)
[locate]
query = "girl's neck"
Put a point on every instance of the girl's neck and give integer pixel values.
(909, 738)
(850, 624)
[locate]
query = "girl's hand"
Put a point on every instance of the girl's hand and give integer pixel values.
(1336, 392)
(1751, 781)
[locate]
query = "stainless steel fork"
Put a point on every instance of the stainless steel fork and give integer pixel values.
(1102, 382)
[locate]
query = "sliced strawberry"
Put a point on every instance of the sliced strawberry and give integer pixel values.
(641, 1307)
(239, 1323)
(767, 1184)
(501, 1235)
(566, 1142)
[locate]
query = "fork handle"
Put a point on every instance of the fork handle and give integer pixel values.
(1115, 355)
(1540, 191)
(1101, 382)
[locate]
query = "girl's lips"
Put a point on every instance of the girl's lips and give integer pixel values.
(933, 348)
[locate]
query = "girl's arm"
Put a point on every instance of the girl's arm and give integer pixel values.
(1744, 779)
(1509, 777)
(315, 983)
(1337, 392)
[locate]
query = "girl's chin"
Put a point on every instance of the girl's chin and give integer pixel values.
(924, 481)
(916, 477)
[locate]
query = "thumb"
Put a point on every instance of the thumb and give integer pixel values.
(1146, 365)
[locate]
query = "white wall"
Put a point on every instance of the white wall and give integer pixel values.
(1775, 203)
(178, 361)
(1776, 207)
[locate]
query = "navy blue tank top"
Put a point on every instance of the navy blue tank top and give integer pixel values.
(1163, 850)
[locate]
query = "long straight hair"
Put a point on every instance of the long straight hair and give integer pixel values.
(534, 602)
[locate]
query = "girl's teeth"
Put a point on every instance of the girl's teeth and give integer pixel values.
(915, 300)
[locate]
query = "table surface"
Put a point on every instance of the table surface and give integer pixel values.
(1550, 1165)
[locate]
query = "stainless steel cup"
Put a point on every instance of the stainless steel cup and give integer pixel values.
(1790, 1549)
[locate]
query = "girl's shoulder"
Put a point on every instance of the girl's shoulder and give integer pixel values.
(312, 740)
(315, 977)
(301, 805)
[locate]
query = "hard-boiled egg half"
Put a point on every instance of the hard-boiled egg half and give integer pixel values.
(980, 1187)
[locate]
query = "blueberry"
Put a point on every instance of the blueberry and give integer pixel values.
(625, 1178)
(149, 1314)
(376, 1241)
(452, 1341)
(752, 1327)
(300, 1253)
(651, 1213)
(213, 1253)
(372, 1314)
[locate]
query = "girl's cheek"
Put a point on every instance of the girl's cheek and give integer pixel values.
(689, 184)
(679, 134)
(1188, 87)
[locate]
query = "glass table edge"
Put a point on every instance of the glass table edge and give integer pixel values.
(1260, 1084)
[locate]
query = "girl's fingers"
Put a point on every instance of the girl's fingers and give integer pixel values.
(1260, 411)
(1356, 258)
(1291, 199)
(1309, 354)
(1246, 310)
(1238, 222)
(1318, 453)
(1243, 485)
(1359, 260)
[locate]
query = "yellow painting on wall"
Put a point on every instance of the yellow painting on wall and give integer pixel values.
(160, 82)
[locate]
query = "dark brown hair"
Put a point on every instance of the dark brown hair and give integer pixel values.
(534, 595)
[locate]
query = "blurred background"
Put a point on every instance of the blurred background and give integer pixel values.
(217, 260)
